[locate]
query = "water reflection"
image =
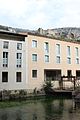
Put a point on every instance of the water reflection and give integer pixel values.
(34, 117)
(18, 115)
(46, 110)
(4, 116)
(54, 109)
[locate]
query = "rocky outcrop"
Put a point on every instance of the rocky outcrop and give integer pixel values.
(62, 33)
(71, 33)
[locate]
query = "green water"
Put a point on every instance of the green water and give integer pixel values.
(57, 109)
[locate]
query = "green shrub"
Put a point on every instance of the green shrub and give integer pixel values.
(48, 87)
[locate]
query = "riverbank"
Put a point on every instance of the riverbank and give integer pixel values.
(18, 96)
(33, 98)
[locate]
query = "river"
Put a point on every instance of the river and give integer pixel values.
(50, 109)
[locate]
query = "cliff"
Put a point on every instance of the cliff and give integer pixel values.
(62, 33)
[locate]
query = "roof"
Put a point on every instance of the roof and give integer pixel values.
(13, 33)
(67, 40)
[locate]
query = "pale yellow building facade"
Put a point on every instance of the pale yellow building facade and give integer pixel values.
(49, 59)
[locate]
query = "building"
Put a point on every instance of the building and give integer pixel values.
(27, 60)
(49, 59)
(13, 62)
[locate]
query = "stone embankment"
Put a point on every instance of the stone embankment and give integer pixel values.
(20, 94)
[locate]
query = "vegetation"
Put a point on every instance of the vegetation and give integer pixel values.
(48, 87)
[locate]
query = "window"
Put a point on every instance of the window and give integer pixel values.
(46, 58)
(34, 43)
(77, 52)
(34, 57)
(57, 59)
(68, 51)
(77, 55)
(34, 73)
(5, 44)
(19, 59)
(68, 60)
(77, 60)
(58, 49)
(4, 76)
(68, 55)
(57, 53)
(18, 77)
(19, 46)
(46, 47)
(5, 59)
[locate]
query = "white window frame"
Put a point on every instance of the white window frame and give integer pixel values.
(5, 44)
(19, 60)
(5, 77)
(77, 51)
(46, 47)
(58, 52)
(17, 77)
(69, 54)
(68, 51)
(34, 43)
(34, 76)
(34, 57)
(77, 55)
(58, 49)
(77, 60)
(46, 58)
(5, 59)
(58, 59)
(69, 60)
(19, 46)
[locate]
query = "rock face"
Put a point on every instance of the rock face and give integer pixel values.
(65, 33)
(62, 33)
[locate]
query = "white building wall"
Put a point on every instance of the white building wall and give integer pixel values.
(12, 69)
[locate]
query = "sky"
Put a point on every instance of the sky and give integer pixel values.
(34, 14)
